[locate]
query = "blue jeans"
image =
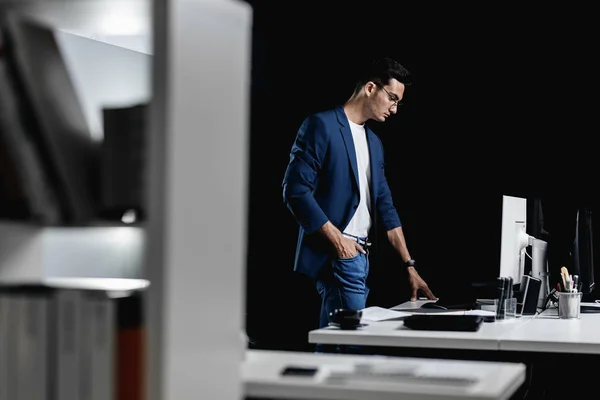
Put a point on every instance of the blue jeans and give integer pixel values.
(343, 284)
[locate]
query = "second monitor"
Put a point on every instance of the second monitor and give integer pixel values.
(514, 242)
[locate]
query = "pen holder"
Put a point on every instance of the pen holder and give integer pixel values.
(569, 305)
(505, 308)
(510, 308)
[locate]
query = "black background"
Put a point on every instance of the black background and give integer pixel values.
(500, 105)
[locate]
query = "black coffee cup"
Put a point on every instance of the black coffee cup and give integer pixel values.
(345, 318)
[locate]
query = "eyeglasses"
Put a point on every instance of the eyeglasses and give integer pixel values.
(392, 97)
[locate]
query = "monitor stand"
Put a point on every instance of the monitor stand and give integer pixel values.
(539, 267)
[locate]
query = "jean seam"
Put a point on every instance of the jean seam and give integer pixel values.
(339, 293)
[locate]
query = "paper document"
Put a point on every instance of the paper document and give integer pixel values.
(375, 314)
(412, 305)
(483, 313)
(438, 312)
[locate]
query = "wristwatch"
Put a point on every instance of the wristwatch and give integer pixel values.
(410, 263)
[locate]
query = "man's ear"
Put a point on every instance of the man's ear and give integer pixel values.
(369, 88)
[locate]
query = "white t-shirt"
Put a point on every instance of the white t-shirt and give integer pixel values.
(361, 221)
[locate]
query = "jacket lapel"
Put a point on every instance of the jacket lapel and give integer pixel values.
(348, 141)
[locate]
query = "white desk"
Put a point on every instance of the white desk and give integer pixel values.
(261, 376)
(546, 333)
(394, 334)
(541, 333)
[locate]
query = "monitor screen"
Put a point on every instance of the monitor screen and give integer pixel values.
(583, 252)
(568, 222)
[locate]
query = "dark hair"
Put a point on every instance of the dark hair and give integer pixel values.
(381, 71)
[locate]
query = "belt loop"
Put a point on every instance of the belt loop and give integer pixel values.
(364, 242)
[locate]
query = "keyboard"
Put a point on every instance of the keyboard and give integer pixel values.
(589, 309)
(457, 323)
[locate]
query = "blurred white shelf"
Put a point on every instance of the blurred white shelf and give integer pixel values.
(30, 253)
(387, 378)
(107, 284)
(90, 17)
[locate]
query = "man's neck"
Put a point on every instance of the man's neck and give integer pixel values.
(354, 111)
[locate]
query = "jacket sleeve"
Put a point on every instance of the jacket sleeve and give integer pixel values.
(388, 216)
(306, 159)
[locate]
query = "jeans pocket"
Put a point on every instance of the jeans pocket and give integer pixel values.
(348, 258)
(351, 272)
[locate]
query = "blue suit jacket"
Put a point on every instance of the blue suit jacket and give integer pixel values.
(321, 184)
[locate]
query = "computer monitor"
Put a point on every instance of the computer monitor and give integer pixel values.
(568, 222)
(514, 237)
(583, 252)
(514, 244)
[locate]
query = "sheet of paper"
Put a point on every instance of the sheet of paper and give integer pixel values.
(375, 314)
(483, 313)
(438, 312)
(411, 305)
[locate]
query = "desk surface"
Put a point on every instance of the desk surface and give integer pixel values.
(547, 333)
(544, 332)
(261, 376)
(395, 334)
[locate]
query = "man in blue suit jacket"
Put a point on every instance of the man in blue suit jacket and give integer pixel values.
(335, 187)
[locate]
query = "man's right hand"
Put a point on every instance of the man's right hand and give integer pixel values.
(343, 247)
(348, 248)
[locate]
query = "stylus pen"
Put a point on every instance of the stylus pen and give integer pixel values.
(501, 294)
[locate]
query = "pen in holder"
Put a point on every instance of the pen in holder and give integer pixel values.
(569, 304)
(504, 294)
(500, 300)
